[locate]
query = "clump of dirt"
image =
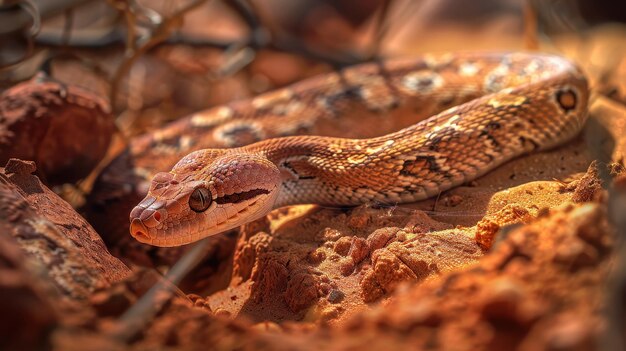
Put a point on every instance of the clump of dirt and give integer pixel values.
(337, 259)
(588, 187)
(538, 289)
(491, 225)
(534, 291)
(354, 258)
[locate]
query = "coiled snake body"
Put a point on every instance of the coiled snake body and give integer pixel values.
(512, 104)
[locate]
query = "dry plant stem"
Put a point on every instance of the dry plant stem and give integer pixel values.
(382, 28)
(129, 52)
(159, 35)
(140, 314)
(263, 35)
(67, 28)
(531, 42)
(259, 38)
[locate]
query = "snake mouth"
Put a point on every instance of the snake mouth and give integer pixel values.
(139, 231)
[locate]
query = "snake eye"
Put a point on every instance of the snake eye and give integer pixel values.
(200, 199)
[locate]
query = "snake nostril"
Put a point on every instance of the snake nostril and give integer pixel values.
(154, 219)
(141, 235)
(151, 218)
(139, 230)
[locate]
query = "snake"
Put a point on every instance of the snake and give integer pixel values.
(504, 105)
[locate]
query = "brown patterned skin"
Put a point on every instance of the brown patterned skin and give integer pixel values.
(518, 103)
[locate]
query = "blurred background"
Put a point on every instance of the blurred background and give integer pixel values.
(157, 60)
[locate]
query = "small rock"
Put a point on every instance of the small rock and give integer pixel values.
(221, 312)
(387, 273)
(380, 237)
(330, 312)
(316, 256)
(336, 296)
(20, 167)
(452, 200)
(330, 234)
(346, 267)
(486, 231)
(342, 246)
(488, 227)
(359, 250)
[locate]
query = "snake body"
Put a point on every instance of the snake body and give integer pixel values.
(508, 105)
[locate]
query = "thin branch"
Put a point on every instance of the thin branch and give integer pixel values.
(382, 28)
(141, 313)
(159, 35)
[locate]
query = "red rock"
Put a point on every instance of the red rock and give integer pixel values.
(51, 231)
(36, 118)
(28, 309)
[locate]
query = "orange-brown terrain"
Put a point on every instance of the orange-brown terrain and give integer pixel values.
(527, 257)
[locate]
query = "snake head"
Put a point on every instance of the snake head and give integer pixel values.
(206, 193)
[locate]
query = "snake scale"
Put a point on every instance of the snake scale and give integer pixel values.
(487, 108)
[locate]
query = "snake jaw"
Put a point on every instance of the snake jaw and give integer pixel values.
(182, 231)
